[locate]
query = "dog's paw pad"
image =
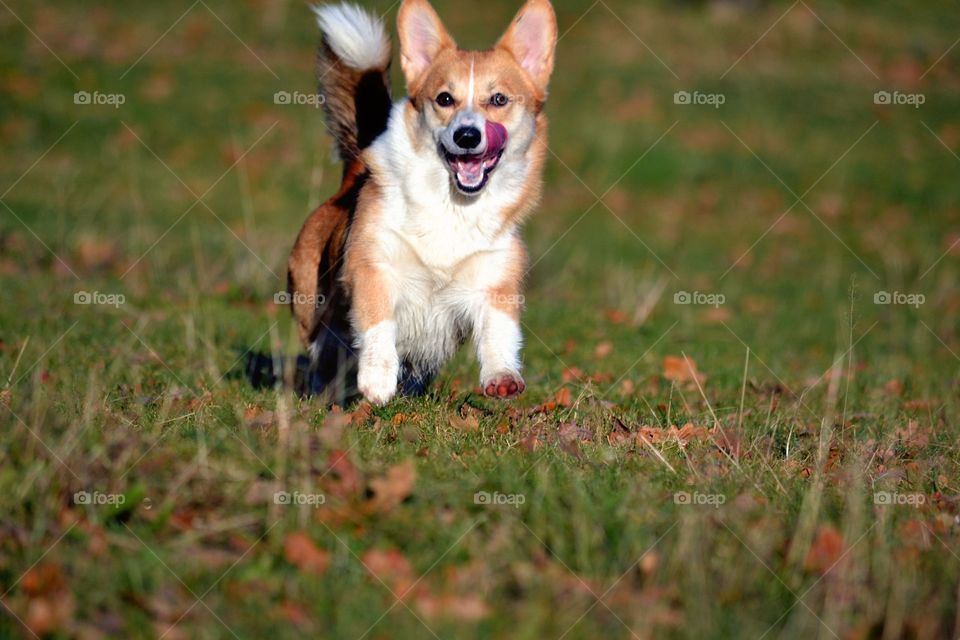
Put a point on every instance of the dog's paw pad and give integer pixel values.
(505, 386)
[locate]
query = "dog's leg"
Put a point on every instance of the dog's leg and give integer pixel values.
(498, 348)
(373, 317)
(497, 331)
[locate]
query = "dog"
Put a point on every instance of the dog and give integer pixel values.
(420, 249)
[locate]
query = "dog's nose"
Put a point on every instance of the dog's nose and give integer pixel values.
(467, 137)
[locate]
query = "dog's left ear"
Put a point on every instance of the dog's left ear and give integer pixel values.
(422, 37)
(532, 39)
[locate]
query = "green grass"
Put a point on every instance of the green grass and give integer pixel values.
(815, 398)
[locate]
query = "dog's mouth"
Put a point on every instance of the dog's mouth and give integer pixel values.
(471, 172)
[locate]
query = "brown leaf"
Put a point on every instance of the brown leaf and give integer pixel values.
(826, 550)
(469, 608)
(681, 370)
(300, 551)
(390, 567)
(361, 414)
(603, 350)
(728, 440)
(394, 487)
(468, 423)
(343, 473)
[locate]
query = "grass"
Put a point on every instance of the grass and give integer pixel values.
(797, 200)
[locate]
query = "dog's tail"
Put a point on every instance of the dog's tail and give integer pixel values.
(353, 72)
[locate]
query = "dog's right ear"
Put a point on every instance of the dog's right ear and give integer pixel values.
(422, 37)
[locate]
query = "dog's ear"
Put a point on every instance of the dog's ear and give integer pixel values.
(532, 39)
(422, 37)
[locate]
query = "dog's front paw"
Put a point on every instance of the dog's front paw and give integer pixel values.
(377, 380)
(505, 385)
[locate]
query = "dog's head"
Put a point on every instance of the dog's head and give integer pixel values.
(473, 105)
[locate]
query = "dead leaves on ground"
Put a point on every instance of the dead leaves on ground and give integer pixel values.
(393, 487)
(300, 551)
(682, 370)
(393, 570)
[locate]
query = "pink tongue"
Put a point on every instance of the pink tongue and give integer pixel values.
(496, 137)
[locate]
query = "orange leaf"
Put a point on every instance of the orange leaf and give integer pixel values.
(681, 370)
(394, 487)
(826, 550)
(299, 550)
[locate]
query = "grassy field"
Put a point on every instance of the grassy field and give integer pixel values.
(742, 339)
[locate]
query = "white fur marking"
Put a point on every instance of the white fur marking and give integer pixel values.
(355, 36)
(470, 86)
(498, 345)
(379, 363)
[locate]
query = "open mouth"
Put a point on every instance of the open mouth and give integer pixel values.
(472, 172)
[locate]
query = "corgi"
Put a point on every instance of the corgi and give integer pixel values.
(420, 249)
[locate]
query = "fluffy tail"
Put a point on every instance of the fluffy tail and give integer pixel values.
(352, 69)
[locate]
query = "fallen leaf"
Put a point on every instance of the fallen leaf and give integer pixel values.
(826, 550)
(300, 551)
(391, 568)
(394, 487)
(361, 414)
(469, 608)
(681, 370)
(468, 423)
(344, 477)
(603, 350)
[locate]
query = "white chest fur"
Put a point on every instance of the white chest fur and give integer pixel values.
(440, 252)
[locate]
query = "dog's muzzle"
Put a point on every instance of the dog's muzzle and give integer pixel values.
(473, 155)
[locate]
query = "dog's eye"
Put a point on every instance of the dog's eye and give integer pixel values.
(445, 99)
(499, 100)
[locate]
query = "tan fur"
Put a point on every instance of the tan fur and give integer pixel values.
(378, 249)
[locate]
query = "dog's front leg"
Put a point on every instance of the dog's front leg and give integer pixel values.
(497, 329)
(374, 322)
(498, 348)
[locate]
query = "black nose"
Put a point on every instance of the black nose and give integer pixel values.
(467, 137)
